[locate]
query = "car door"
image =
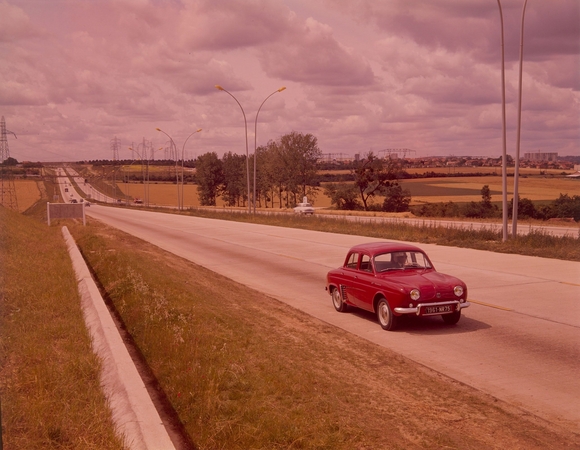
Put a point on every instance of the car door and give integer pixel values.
(363, 283)
(347, 279)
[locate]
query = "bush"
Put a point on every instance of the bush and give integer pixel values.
(396, 199)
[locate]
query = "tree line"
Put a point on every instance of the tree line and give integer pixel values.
(285, 172)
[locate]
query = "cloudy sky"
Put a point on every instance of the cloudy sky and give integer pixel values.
(360, 75)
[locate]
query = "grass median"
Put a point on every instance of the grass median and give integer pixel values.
(242, 370)
(49, 377)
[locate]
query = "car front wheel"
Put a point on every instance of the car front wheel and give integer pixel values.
(385, 315)
(451, 319)
(337, 301)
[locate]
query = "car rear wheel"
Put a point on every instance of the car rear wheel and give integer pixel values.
(451, 319)
(385, 315)
(337, 301)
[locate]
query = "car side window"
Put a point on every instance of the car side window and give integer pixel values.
(352, 261)
(365, 263)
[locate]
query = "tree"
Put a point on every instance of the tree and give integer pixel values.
(10, 161)
(373, 176)
(210, 178)
(397, 199)
(300, 154)
(567, 206)
(288, 166)
(343, 196)
(234, 183)
(271, 173)
(486, 196)
(526, 208)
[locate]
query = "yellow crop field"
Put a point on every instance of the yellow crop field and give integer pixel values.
(476, 170)
(27, 193)
(163, 194)
(462, 189)
(466, 170)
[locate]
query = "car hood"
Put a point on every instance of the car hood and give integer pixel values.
(429, 282)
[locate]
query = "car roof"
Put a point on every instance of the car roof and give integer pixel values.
(375, 248)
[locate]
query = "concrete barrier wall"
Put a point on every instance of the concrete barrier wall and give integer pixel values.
(134, 414)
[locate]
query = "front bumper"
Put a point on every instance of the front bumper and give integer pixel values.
(418, 310)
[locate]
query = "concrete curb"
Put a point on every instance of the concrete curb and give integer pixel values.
(134, 414)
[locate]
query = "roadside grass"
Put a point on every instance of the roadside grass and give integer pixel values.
(49, 377)
(243, 370)
(535, 243)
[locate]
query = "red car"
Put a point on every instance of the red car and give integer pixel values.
(391, 280)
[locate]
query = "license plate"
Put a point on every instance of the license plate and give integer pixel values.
(438, 309)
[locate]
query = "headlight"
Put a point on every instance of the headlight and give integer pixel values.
(458, 291)
(415, 294)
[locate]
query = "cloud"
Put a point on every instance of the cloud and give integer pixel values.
(15, 24)
(311, 55)
(211, 25)
(361, 75)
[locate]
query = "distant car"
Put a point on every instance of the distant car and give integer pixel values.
(138, 201)
(87, 203)
(73, 200)
(392, 280)
(304, 208)
(66, 189)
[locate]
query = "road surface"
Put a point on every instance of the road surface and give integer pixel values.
(519, 341)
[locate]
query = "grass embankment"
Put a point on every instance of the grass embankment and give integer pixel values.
(49, 377)
(243, 370)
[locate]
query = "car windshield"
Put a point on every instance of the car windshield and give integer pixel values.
(401, 261)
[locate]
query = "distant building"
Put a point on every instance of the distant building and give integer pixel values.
(541, 156)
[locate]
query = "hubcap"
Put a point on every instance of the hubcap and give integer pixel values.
(383, 313)
(336, 299)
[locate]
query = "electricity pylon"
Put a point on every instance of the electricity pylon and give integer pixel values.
(8, 190)
(115, 145)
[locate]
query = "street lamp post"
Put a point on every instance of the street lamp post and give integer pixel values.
(182, 162)
(504, 154)
(517, 161)
(174, 147)
(247, 154)
(256, 141)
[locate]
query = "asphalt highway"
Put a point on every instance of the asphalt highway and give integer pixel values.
(519, 341)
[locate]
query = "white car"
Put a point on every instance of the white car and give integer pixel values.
(304, 208)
